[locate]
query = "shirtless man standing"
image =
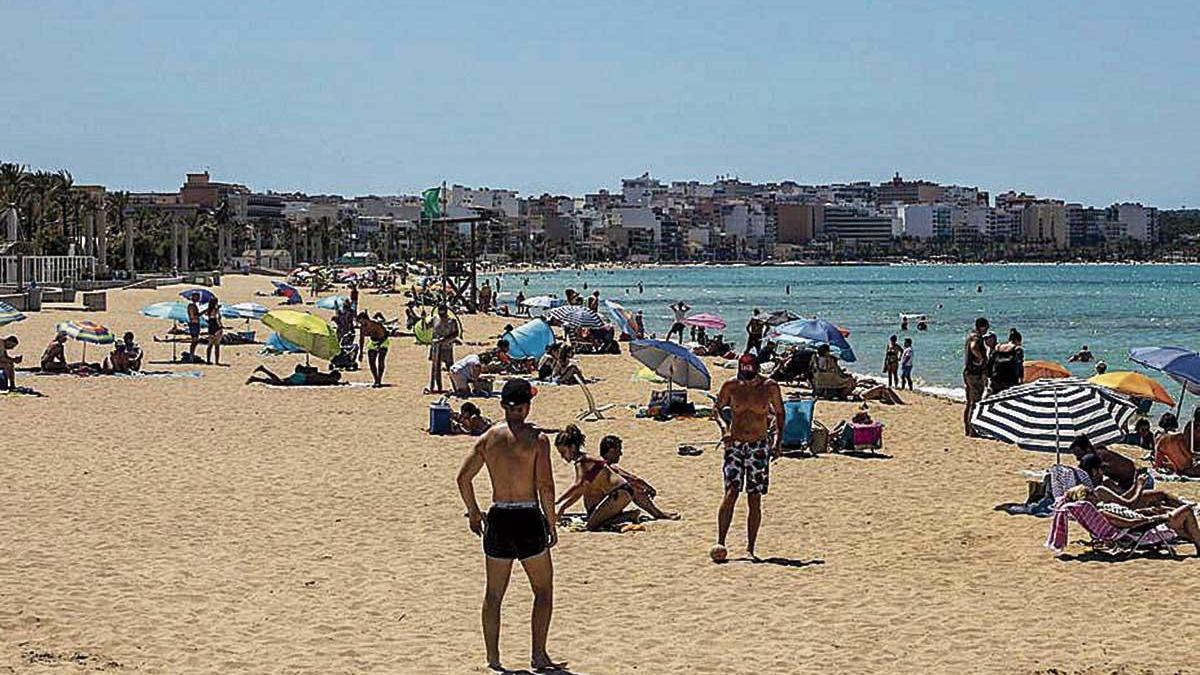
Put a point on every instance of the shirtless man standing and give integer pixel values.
(193, 324)
(748, 447)
(519, 525)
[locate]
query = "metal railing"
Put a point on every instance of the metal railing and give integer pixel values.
(46, 269)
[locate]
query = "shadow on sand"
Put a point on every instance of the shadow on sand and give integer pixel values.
(777, 560)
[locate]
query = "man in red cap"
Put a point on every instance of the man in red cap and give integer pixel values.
(749, 447)
(520, 524)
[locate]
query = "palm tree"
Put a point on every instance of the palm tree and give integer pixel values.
(44, 191)
(14, 187)
(118, 203)
(65, 183)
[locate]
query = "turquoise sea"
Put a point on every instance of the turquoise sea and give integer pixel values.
(1057, 308)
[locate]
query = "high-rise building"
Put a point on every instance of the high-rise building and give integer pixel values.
(1045, 222)
(1138, 222)
(901, 191)
(857, 225)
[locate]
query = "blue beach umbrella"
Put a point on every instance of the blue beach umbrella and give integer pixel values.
(172, 311)
(672, 361)
(1181, 365)
(818, 331)
(205, 294)
(333, 302)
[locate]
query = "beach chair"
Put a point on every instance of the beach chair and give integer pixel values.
(798, 426)
(1108, 538)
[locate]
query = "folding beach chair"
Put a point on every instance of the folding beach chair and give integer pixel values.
(799, 420)
(1109, 538)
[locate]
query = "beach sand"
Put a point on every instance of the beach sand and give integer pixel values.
(175, 525)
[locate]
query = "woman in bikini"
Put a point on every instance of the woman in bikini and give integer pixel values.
(215, 331)
(605, 493)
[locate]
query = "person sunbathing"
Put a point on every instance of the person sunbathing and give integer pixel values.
(643, 492)
(1181, 519)
(828, 376)
(469, 420)
(1136, 497)
(310, 377)
(54, 359)
(605, 493)
(1119, 472)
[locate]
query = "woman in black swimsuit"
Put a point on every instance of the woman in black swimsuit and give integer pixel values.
(215, 331)
(605, 492)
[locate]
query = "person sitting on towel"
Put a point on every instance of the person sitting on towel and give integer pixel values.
(132, 352)
(643, 492)
(54, 359)
(605, 493)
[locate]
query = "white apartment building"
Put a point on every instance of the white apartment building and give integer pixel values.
(505, 201)
(1134, 221)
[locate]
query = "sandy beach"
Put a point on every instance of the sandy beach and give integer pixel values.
(197, 525)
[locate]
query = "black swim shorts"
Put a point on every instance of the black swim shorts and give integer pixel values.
(515, 532)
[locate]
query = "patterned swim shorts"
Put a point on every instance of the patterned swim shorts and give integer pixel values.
(748, 467)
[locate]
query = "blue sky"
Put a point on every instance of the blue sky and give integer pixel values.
(1095, 101)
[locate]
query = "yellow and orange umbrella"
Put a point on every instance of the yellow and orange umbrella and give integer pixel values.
(1041, 370)
(1134, 384)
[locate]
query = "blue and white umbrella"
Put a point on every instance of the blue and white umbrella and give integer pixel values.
(817, 332)
(622, 317)
(334, 302)
(1043, 414)
(9, 314)
(672, 361)
(244, 310)
(205, 295)
(1181, 365)
(170, 310)
(543, 301)
(574, 315)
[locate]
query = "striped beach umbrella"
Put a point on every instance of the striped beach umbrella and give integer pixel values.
(1042, 415)
(9, 314)
(87, 332)
(574, 315)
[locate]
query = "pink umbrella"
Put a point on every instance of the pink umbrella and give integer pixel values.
(705, 320)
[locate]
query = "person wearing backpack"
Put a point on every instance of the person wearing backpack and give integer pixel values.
(1008, 363)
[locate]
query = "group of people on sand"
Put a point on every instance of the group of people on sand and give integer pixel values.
(522, 522)
(989, 367)
(125, 358)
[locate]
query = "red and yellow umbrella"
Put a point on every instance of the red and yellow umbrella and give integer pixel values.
(1134, 384)
(1042, 370)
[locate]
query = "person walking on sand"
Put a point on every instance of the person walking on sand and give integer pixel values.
(519, 525)
(749, 448)
(975, 370)
(375, 336)
(891, 361)
(906, 365)
(441, 351)
(193, 324)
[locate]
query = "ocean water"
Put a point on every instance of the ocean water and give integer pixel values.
(1057, 308)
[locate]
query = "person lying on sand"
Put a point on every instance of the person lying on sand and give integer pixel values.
(303, 377)
(1181, 519)
(605, 493)
(54, 359)
(8, 362)
(643, 492)
(469, 420)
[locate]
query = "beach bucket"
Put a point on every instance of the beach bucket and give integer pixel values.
(439, 419)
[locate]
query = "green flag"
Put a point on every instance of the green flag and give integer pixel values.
(432, 207)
